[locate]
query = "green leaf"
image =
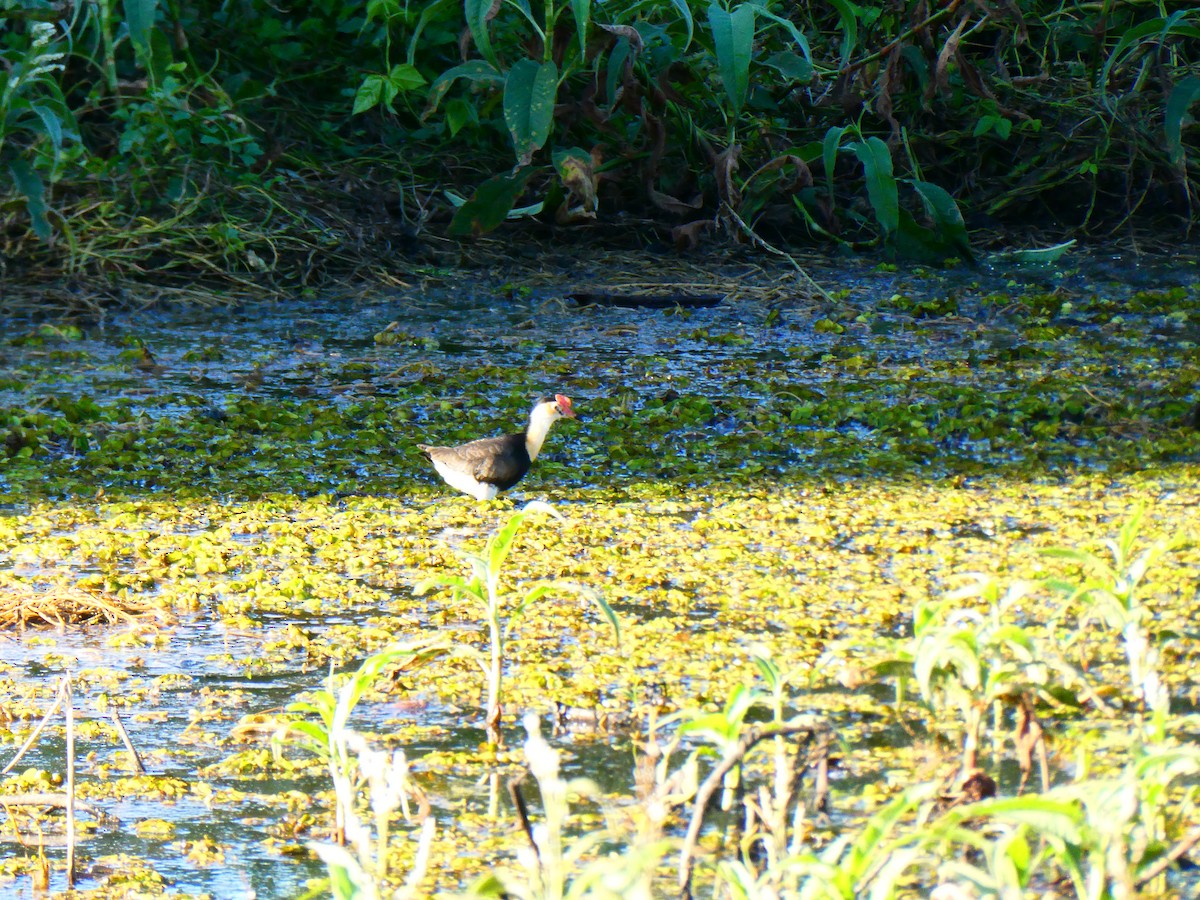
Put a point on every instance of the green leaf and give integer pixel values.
(431, 12)
(405, 77)
(489, 205)
(529, 93)
(139, 19)
(582, 10)
(791, 66)
(439, 582)
(475, 70)
(685, 13)
(946, 216)
(347, 880)
(609, 613)
(459, 114)
(1042, 256)
(381, 90)
(370, 93)
(1156, 29)
(478, 12)
(29, 183)
(1183, 95)
(615, 67)
(797, 35)
(881, 184)
(52, 125)
(829, 151)
(848, 17)
(502, 541)
(733, 39)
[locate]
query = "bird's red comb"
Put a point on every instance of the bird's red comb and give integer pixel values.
(564, 403)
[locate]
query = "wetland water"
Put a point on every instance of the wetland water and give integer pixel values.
(770, 471)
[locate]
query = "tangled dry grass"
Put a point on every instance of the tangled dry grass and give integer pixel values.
(24, 607)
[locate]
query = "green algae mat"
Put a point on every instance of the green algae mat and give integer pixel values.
(946, 523)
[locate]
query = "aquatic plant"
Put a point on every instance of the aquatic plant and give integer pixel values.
(1111, 594)
(358, 868)
(555, 864)
(329, 737)
(975, 661)
(500, 610)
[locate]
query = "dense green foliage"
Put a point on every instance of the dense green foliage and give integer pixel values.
(244, 137)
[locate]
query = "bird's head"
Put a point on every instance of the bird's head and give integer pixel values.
(548, 411)
(562, 406)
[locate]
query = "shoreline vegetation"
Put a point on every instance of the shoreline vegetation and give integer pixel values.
(270, 149)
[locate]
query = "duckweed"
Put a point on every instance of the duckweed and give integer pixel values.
(798, 486)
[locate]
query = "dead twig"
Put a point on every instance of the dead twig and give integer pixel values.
(518, 799)
(704, 795)
(759, 242)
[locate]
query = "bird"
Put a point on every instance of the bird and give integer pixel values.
(488, 466)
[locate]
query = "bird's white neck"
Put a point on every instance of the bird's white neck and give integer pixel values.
(540, 420)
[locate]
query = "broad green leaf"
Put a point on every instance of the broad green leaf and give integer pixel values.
(490, 204)
(29, 183)
(733, 39)
(946, 216)
(370, 93)
(881, 184)
(381, 90)
(478, 13)
(533, 595)
(347, 880)
(790, 65)
(52, 125)
(913, 241)
(529, 93)
(318, 734)
(615, 67)
(501, 542)
(459, 114)
(1047, 816)
(139, 19)
(405, 77)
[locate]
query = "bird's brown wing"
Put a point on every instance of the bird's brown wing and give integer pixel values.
(501, 461)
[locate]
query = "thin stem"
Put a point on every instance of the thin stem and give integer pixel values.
(70, 709)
